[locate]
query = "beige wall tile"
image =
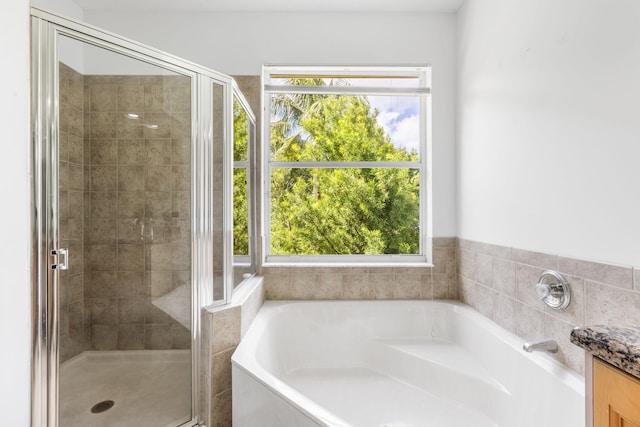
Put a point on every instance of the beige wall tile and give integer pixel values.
(610, 305)
(131, 204)
(75, 149)
(103, 257)
(504, 276)
(157, 204)
(158, 178)
(157, 337)
(104, 337)
(156, 98)
(104, 151)
(131, 284)
(158, 151)
(131, 178)
(163, 123)
(504, 311)
(483, 269)
(440, 286)
(467, 288)
(536, 259)
(226, 329)
(131, 98)
(131, 310)
(76, 177)
(180, 177)
(526, 279)
(104, 311)
(569, 354)
(221, 411)
(180, 337)
(484, 301)
(101, 284)
(104, 178)
(356, 285)
(529, 322)
(181, 151)
(221, 370)
(102, 230)
(485, 248)
(181, 204)
(466, 263)
(102, 97)
(131, 337)
(276, 286)
(130, 230)
(104, 204)
(158, 257)
(131, 257)
(131, 151)
(103, 124)
(180, 125)
(613, 275)
(381, 285)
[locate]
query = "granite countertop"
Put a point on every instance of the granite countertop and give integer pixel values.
(619, 346)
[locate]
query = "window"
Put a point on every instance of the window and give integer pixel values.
(244, 260)
(346, 168)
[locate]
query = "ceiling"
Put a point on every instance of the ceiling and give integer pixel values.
(273, 5)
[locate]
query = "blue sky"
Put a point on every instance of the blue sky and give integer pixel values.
(398, 115)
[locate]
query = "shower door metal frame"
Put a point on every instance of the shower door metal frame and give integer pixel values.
(46, 27)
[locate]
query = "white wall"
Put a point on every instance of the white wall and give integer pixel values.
(15, 328)
(66, 8)
(239, 43)
(548, 129)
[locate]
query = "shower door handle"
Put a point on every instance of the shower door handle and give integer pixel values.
(63, 263)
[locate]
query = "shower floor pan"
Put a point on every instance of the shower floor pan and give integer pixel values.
(149, 388)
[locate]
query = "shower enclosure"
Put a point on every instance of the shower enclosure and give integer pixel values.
(133, 182)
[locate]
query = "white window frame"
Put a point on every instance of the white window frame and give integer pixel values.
(423, 73)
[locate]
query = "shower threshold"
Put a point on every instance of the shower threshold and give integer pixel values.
(149, 388)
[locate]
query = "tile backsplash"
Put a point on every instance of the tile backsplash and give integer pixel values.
(500, 283)
(352, 283)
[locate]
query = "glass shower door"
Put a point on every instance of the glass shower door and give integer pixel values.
(124, 212)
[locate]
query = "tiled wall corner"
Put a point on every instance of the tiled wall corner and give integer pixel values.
(499, 282)
(357, 283)
(225, 326)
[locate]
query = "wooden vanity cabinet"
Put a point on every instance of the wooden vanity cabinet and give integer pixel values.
(616, 397)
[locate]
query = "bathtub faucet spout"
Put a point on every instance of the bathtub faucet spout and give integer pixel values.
(548, 345)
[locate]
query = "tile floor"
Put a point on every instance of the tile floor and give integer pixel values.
(150, 388)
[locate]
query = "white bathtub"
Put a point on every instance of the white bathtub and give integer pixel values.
(395, 364)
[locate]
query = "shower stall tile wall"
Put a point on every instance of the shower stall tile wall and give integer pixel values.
(74, 328)
(500, 283)
(125, 211)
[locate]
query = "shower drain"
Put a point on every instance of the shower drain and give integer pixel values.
(105, 405)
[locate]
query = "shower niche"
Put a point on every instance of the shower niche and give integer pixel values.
(133, 165)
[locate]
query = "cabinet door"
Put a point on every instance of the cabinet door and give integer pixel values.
(616, 397)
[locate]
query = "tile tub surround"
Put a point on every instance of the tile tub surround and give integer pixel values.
(222, 329)
(500, 283)
(354, 283)
(619, 346)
